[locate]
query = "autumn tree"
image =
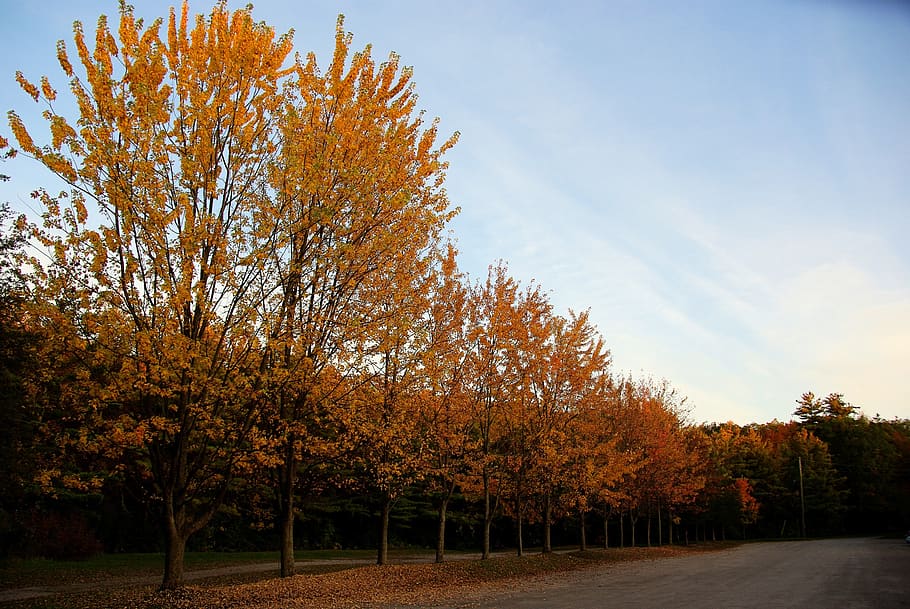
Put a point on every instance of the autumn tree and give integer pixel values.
(748, 505)
(670, 474)
(529, 426)
(358, 191)
(448, 416)
(616, 419)
(392, 442)
(490, 381)
(597, 460)
(563, 378)
(687, 477)
(721, 501)
(167, 166)
(18, 362)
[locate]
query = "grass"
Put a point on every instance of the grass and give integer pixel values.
(19, 573)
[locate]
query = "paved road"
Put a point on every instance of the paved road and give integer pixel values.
(827, 574)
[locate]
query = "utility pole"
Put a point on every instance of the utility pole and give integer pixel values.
(802, 497)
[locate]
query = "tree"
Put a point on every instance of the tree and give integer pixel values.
(809, 408)
(811, 411)
(822, 486)
(392, 447)
(448, 417)
(864, 454)
(490, 379)
(154, 243)
(596, 460)
(358, 191)
(748, 506)
(671, 473)
(563, 378)
(722, 501)
(18, 361)
(529, 428)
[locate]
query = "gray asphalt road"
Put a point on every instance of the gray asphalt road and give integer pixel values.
(828, 574)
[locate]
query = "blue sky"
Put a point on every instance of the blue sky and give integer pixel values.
(726, 185)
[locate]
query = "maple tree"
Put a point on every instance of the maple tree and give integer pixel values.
(170, 148)
(597, 460)
(669, 473)
(358, 192)
(618, 422)
(573, 386)
(630, 426)
(449, 424)
(387, 424)
(565, 357)
(748, 505)
(529, 426)
(492, 327)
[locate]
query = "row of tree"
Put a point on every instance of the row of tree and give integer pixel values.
(245, 274)
(242, 298)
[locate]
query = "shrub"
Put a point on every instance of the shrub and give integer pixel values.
(62, 536)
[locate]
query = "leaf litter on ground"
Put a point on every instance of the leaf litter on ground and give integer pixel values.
(459, 582)
(404, 585)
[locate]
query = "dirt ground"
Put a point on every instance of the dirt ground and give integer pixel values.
(828, 574)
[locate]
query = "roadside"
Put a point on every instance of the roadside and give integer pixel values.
(224, 574)
(341, 582)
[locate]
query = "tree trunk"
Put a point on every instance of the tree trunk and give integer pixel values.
(547, 516)
(520, 512)
(583, 541)
(660, 528)
(633, 520)
(648, 529)
(670, 528)
(622, 531)
(487, 516)
(521, 541)
(606, 531)
(174, 549)
(441, 533)
(287, 481)
(382, 557)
